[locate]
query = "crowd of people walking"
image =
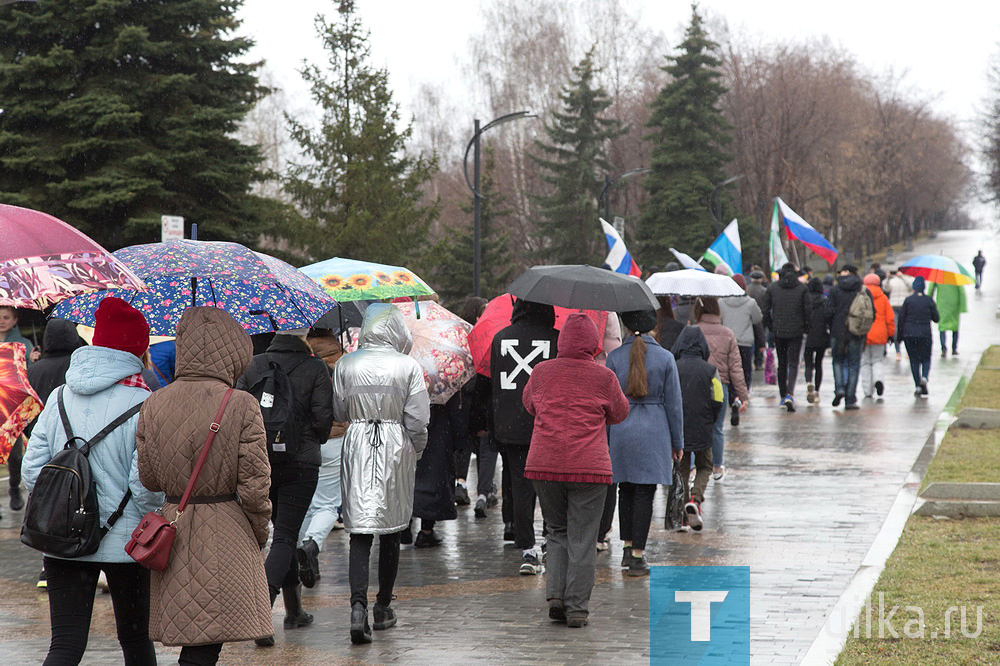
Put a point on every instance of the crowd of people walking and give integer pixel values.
(314, 440)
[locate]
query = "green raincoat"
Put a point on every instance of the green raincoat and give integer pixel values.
(951, 303)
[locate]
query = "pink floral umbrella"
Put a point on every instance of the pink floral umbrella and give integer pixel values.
(441, 347)
(43, 260)
(19, 403)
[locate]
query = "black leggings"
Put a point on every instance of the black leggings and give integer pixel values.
(71, 588)
(635, 512)
(608, 517)
(388, 566)
(814, 364)
(292, 488)
(200, 655)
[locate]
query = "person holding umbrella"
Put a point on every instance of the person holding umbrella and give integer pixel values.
(951, 303)
(572, 399)
(914, 329)
(644, 445)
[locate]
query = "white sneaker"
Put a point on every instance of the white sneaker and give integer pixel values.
(719, 473)
(602, 546)
(692, 510)
(102, 584)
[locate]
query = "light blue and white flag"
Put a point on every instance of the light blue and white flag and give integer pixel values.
(726, 251)
(686, 260)
(618, 259)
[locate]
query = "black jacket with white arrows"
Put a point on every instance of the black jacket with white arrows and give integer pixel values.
(517, 349)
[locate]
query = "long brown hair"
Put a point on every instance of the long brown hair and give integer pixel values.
(637, 383)
(706, 305)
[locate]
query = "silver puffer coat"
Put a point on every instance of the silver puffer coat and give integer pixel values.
(381, 393)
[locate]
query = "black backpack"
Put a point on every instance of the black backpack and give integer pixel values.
(277, 405)
(62, 517)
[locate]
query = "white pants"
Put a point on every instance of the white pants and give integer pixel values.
(322, 513)
(872, 368)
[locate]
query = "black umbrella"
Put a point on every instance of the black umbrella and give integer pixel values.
(583, 287)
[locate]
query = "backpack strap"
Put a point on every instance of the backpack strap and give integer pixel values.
(114, 425)
(62, 414)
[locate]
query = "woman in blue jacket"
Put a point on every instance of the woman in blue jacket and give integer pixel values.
(103, 381)
(645, 444)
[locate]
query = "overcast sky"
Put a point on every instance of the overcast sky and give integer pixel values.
(945, 48)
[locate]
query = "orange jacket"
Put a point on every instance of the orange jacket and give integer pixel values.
(885, 319)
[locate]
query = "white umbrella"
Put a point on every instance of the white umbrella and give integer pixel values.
(691, 282)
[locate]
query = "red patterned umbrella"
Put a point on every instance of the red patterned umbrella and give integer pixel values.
(18, 402)
(496, 317)
(43, 260)
(441, 347)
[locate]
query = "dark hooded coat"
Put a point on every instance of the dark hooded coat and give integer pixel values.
(700, 387)
(786, 306)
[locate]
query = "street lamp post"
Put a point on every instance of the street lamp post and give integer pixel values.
(715, 196)
(608, 182)
(477, 196)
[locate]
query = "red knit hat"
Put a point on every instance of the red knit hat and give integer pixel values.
(120, 326)
(740, 280)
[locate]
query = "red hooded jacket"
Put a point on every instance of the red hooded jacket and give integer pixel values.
(573, 399)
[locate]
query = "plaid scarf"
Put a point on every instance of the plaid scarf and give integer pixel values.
(136, 381)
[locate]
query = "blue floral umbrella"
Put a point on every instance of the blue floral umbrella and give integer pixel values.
(262, 293)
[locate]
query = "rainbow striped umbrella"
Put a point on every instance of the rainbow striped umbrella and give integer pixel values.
(938, 268)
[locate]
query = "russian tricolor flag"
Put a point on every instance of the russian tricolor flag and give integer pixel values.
(800, 230)
(618, 257)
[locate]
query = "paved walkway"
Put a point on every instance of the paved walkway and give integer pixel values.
(807, 494)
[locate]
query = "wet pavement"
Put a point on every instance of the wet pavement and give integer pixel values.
(806, 496)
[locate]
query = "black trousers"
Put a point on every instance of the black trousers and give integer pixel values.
(746, 357)
(814, 366)
(635, 512)
(507, 505)
(200, 655)
(523, 496)
(14, 462)
(608, 517)
(71, 588)
(787, 350)
(292, 488)
(358, 567)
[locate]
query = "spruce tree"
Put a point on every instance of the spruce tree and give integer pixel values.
(688, 133)
(452, 257)
(117, 112)
(356, 183)
(572, 162)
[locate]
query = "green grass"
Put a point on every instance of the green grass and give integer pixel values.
(967, 455)
(937, 564)
(942, 563)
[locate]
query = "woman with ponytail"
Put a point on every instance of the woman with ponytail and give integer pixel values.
(645, 445)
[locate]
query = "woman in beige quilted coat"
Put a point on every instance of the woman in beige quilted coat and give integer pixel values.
(215, 590)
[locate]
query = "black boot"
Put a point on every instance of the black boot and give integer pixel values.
(295, 615)
(361, 633)
(16, 500)
(307, 556)
(384, 617)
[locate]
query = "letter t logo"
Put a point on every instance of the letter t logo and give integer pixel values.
(701, 610)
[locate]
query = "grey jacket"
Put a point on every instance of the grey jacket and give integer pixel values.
(739, 314)
(382, 394)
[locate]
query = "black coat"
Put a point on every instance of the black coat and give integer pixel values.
(667, 332)
(915, 317)
(49, 372)
(435, 479)
(838, 304)
(786, 307)
(818, 335)
(696, 376)
(530, 339)
(312, 390)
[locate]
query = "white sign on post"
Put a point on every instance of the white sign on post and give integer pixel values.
(619, 225)
(171, 227)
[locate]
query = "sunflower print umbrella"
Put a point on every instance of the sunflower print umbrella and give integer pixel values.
(19, 403)
(352, 280)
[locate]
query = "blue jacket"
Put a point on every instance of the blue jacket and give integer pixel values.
(642, 444)
(93, 399)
